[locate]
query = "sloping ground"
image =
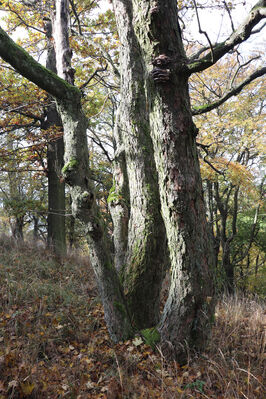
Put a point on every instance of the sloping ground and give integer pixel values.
(54, 342)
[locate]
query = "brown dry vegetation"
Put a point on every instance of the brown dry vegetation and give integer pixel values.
(54, 342)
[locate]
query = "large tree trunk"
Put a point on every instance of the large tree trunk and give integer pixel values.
(160, 59)
(118, 201)
(145, 264)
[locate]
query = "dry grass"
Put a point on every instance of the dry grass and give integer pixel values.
(235, 359)
(54, 343)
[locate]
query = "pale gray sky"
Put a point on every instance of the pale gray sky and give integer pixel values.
(217, 24)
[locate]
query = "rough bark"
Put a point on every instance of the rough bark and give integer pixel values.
(118, 200)
(145, 261)
(56, 191)
(63, 52)
(166, 112)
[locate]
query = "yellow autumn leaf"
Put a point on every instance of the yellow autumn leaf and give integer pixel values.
(27, 388)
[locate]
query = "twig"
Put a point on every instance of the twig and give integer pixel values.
(230, 15)
(76, 15)
(242, 66)
(242, 33)
(205, 148)
(202, 31)
(23, 22)
(208, 107)
(92, 76)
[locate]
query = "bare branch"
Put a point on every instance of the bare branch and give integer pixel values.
(259, 29)
(208, 107)
(24, 22)
(91, 77)
(202, 31)
(244, 31)
(76, 15)
(105, 54)
(96, 139)
(242, 66)
(230, 15)
(13, 128)
(205, 149)
(17, 110)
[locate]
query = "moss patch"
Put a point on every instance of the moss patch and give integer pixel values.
(72, 164)
(121, 308)
(114, 196)
(151, 336)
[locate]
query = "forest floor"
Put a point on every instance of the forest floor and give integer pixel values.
(54, 342)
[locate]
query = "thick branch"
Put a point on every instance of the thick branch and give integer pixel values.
(35, 72)
(244, 31)
(202, 109)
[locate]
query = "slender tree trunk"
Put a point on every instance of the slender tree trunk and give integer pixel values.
(55, 161)
(212, 219)
(228, 267)
(35, 228)
(76, 173)
(15, 197)
(227, 264)
(160, 58)
(17, 228)
(56, 197)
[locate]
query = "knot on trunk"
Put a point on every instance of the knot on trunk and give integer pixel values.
(161, 71)
(155, 10)
(86, 200)
(160, 75)
(162, 61)
(69, 171)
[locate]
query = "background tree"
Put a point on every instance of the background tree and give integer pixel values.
(32, 18)
(231, 142)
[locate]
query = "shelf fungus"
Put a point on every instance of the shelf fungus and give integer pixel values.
(161, 71)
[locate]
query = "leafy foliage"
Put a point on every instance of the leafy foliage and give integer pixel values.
(232, 165)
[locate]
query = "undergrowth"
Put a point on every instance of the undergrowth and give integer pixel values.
(54, 342)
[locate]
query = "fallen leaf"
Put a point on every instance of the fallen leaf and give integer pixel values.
(137, 341)
(27, 388)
